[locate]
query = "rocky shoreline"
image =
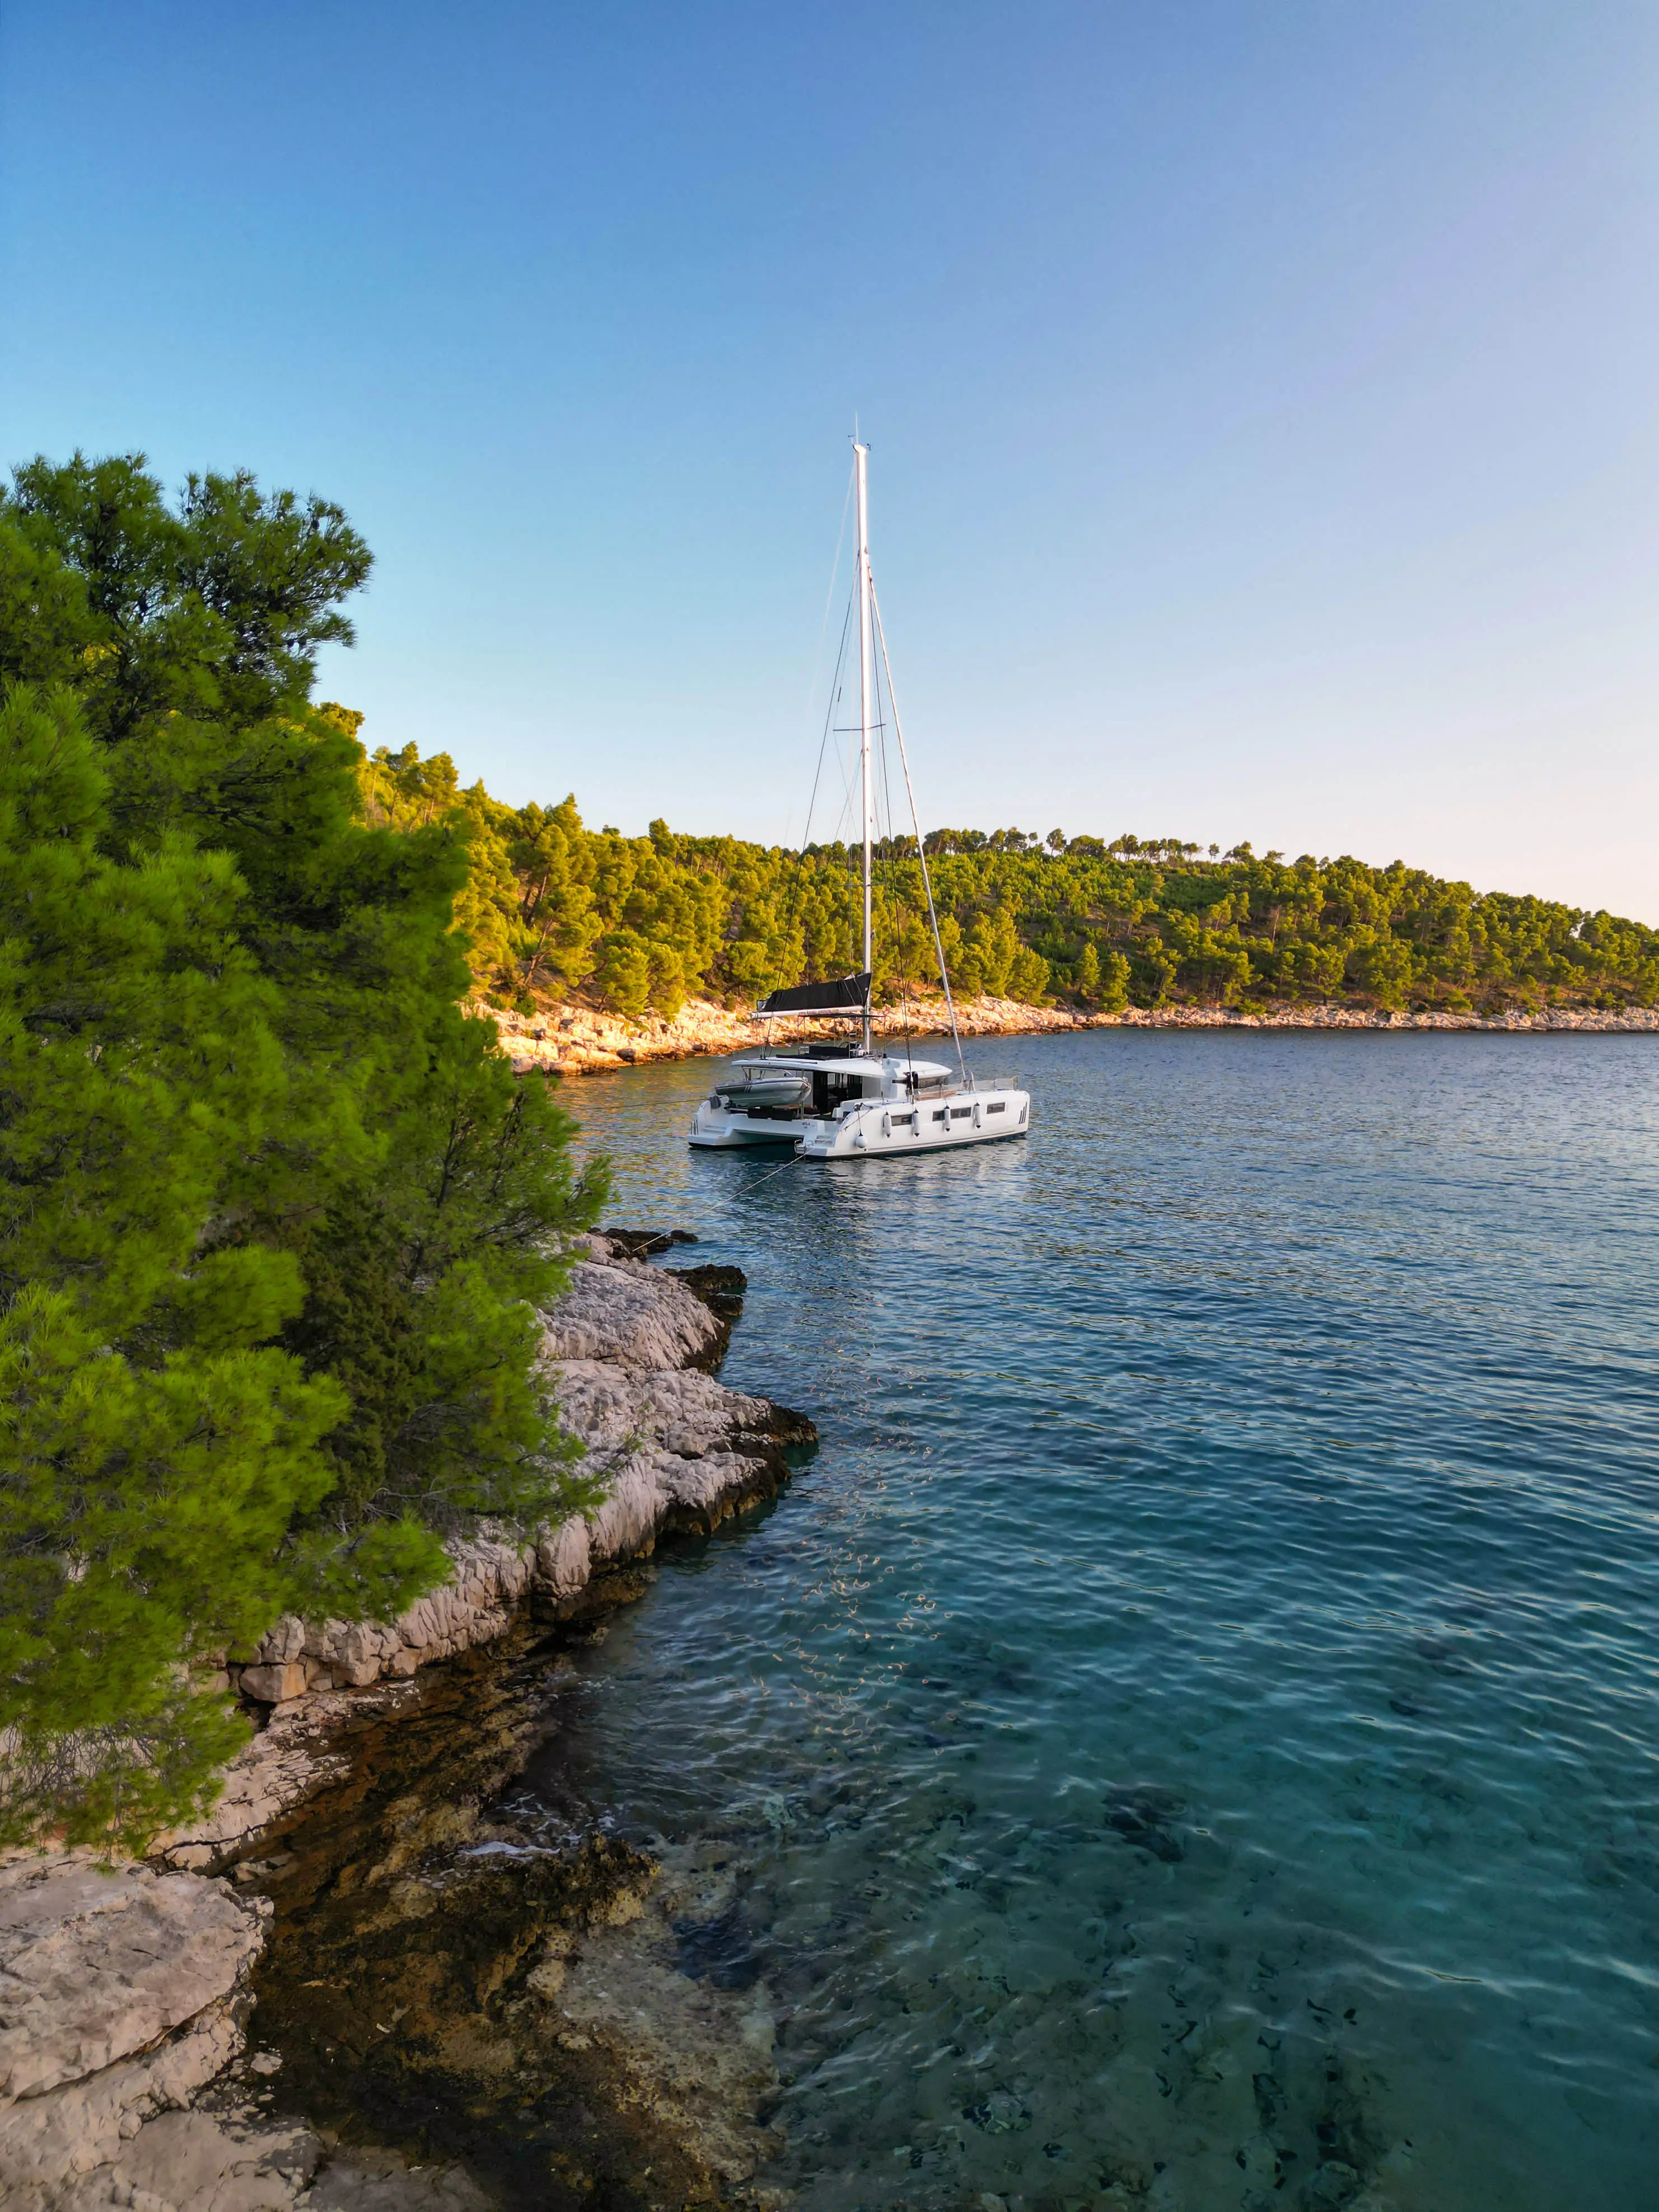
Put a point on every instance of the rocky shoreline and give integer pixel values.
(125, 2076)
(574, 1040)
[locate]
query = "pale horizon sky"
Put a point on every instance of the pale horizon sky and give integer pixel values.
(1262, 399)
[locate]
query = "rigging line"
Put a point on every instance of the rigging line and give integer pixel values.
(894, 878)
(828, 711)
(845, 817)
(915, 824)
(835, 570)
(844, 762)
(886, 783)
(817, 650)
(882, 805)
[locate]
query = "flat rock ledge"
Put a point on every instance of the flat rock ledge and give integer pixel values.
(121, 1994)
(124, 1989)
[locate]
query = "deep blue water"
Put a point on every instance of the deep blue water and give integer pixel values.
(1192, 1729)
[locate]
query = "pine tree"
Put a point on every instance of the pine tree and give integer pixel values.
(155, 1447)
(1112, 993)
(276, 1210)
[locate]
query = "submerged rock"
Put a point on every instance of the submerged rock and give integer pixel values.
(1143, 1816)
(720, 1950)
(1001, 2113)
(366, 2180)
(721, 1289)
(468, 1988)
(645, 1243)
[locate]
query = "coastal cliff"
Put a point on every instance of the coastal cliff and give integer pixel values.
(123, 2071)
(623, 1351)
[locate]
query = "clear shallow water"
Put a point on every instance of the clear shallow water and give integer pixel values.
(1194, 1726)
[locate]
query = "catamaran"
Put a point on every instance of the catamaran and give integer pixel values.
(847, 1101)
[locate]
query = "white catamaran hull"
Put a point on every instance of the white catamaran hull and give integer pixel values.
(878, 1131)
(717, 1128)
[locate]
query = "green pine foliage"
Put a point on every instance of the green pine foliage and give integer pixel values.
(274, 1212)
(637, 924)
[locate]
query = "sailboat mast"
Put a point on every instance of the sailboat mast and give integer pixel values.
(863, 453)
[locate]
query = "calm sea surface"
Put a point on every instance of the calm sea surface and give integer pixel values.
(1195, 1726)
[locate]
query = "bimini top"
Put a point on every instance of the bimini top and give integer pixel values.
(928, 1072)
(849, 995)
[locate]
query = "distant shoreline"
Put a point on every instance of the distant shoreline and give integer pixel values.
(573, 1039)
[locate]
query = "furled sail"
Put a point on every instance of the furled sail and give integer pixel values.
(850, 995)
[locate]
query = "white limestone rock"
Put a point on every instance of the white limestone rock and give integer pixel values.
(97, 1965)
(636, 1507)
(122, 1990)
(189, 2161)
(607, 1406)
(564, 1558)
(119, 1991)
(61, 2150)
(282, 1765)
(708, 1490)
(121, 1995)
(631, 1315)
(274, 1684)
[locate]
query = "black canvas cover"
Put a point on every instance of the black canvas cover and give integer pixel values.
(851, 995)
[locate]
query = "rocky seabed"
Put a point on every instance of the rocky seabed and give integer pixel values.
(577, 1040)
(125, 1989)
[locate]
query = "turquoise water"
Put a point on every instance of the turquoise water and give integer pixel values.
(1192, 1729)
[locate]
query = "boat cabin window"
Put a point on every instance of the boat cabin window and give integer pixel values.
(960, 1113)
(832, 1087)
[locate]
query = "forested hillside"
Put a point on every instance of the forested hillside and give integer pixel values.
(553, 908)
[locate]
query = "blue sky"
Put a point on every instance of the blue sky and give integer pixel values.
(1261, 397)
